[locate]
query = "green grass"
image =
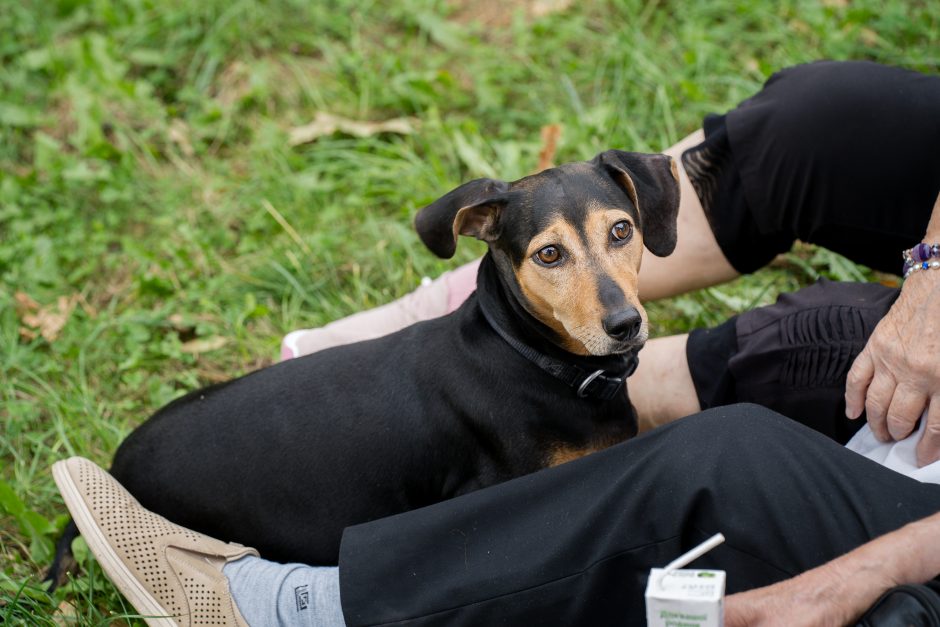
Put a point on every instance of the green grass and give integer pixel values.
(144, 156)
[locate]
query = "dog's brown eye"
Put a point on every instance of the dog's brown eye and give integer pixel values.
(548, 256)
(621, 231)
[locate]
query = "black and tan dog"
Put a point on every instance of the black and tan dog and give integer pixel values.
(528, 373)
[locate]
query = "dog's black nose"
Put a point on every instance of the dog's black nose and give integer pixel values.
(623, 325)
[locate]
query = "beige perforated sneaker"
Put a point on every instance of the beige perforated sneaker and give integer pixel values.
(171, 575)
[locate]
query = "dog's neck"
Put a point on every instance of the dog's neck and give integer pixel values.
(501, 299)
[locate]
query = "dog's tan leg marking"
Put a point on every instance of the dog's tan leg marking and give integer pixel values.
(562, 452)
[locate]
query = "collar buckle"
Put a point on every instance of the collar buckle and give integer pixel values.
(599, 386)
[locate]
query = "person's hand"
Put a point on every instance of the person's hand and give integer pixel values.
(897, 374)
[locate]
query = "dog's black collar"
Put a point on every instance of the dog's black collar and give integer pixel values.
(594, 384)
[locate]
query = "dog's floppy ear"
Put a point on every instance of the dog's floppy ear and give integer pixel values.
(471, 209)
(652, 183)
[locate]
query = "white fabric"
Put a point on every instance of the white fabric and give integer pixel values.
(898, 456)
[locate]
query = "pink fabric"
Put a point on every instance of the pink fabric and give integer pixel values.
(460, 283)
(437, 298)
(289, 348)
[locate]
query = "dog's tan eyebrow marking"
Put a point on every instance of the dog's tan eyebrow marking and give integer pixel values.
(597, 226)
(596, 209)
(559, 232)
(597, 222)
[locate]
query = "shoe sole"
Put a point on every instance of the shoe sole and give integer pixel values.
(125, 581)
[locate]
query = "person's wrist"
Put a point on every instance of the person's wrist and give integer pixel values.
(917, 285)
(921, 257)
(843, 591)
(922, 561)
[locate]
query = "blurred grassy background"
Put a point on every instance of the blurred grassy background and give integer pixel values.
(159, 231)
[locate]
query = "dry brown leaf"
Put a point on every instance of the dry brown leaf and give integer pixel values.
(540, 8)
(869, 37)
(65, 614)
(179, 321)
(87, 307)
(24, 302)
(500, 13)
(179, 135)
(48, 320)
(215, 375)
(326, 124)
(233, 84)
(204, 344)
(551, 133)
(800, 26)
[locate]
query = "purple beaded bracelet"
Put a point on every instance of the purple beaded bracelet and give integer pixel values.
(917, 258)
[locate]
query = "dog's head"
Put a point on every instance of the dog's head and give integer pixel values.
(569, 241)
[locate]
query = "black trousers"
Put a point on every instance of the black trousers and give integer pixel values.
(573, 545)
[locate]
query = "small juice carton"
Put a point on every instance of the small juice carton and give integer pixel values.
(685, 598)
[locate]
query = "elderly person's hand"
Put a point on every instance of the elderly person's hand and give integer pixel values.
(897, 375)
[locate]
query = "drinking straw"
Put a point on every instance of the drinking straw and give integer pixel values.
(691, 555)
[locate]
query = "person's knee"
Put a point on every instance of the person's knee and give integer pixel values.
(732, 426)
(723, 446)
(870, 300)
(816, 97)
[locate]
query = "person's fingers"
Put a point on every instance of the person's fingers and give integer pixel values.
(856, 384)
(877, 402)
(907, 404)
(928, 449)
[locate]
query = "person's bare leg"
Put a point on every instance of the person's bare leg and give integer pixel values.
(697, 261)
(661, 389)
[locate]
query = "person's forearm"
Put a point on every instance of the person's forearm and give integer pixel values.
(840, 591)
